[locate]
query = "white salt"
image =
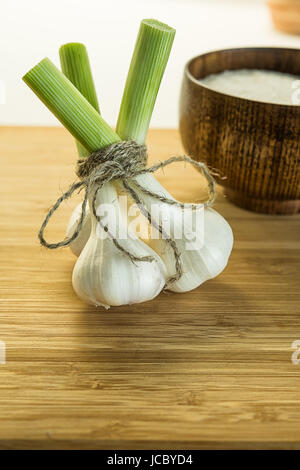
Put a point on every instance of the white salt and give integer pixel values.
(259, 85)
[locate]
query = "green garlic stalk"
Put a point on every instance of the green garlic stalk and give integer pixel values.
(148, 63)
(76, 67)
(69, 106)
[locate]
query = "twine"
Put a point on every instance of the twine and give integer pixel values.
(124, 161)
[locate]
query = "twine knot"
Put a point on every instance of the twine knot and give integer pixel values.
(119, 160)
(124, 161)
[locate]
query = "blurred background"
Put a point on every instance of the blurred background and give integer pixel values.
(34, 29)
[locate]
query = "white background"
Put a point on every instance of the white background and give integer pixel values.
(33, 29)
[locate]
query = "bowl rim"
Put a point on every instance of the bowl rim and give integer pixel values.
(196, 81)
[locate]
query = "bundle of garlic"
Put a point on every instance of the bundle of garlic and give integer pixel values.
(115, 266)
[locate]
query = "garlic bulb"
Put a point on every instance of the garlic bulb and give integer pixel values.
(205, 261)
(208, 256)
(78, 244)
(103, 275)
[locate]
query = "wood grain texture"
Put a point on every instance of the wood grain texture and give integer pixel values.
(255, 145)
(206, 369)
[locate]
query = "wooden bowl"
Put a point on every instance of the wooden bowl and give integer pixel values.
(286, 15)
(254, 145)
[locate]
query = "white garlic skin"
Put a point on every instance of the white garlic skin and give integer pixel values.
(79, 243)
(104, 276)
(208, 259)
(204, 263)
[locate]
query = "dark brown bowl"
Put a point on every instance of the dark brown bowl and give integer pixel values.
(254, 145)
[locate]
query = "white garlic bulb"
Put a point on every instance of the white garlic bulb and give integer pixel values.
(207, 258)
(205, 261)
(105, 276)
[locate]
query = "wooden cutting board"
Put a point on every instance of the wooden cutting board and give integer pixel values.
(210, 368)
